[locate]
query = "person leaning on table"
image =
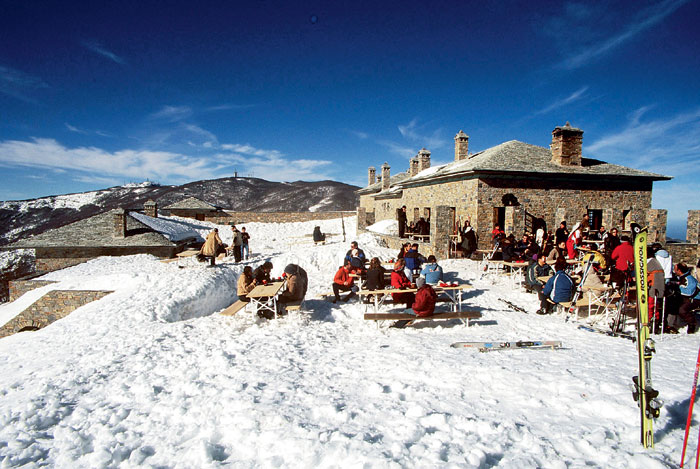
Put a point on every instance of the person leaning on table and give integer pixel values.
(559, 288)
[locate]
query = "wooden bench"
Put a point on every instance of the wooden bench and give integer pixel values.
(293, 306)
(234, 308)
(465, 316)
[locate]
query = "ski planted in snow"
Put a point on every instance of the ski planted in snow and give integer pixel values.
(642, 390)
(521, 344)
(514, 307)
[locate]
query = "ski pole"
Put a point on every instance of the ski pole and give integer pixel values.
(690, 412)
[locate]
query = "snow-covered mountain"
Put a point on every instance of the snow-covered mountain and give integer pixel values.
(23, 218)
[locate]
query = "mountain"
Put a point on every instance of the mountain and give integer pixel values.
(19, 219)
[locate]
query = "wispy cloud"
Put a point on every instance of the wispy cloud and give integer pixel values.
(417, 133)
(229, 107)
(401, 150)
(99, 49)
(573, 97)
(75, 129)
(18, 84)
(360, 135)
(668, 145)
(578, 13)
(172, 113)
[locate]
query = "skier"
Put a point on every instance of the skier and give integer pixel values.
(559, 288)
(690, 300)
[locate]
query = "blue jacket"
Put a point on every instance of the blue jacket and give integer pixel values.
(413, 259)
(559, 288)
(358, 261)
(689, 286)
(432, 273)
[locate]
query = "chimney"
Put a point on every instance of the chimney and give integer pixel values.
(461, 146)
(119, 223)
(150, 208)
(385, 176)
(413, 166)
(371, 175)
(566, 145)
(423, 159)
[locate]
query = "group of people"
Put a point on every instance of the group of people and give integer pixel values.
(296, 284)
(420, 227)
(213, 246)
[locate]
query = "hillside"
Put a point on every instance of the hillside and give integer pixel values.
(23, 218)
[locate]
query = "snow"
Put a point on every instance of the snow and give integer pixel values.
(388, 227)
(174, 230)
(152, 376)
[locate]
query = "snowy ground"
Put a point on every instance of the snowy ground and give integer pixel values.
(152, 376)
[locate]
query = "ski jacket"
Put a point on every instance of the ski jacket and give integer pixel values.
(535, 270)
(400, 281)
(317, 235)
(689, 286)
(237, 238)
(375, 278)
(259, 274)
(356, 259)
(432, 273)
(424, 304)
(212, 245)
(559, 288)
(623, 254)
(666, 262)
(413, 260)
(342, 277)
(655, 278)
(245, 285)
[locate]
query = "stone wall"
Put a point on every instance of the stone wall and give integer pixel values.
(49, 308)
(49, 259)
(656, 222)
(688, 253)
(274, 217)
(26, 284)
(693, 227)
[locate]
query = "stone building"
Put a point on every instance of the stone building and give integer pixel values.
(192, 207)
(515, 185)
(113, 233)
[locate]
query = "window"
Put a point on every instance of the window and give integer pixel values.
(595, 219)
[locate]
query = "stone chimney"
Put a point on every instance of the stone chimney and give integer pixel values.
(150, 208)
(385, 176)
(371, 175)
(413, 166)
(119, 223)
(461, 146)
(423, 159)
(566, 145)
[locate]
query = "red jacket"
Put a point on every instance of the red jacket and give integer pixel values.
(622, 254)
(399, 280)
(425, 301)
(342, 277)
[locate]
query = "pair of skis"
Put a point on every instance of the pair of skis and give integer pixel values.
(521, 344)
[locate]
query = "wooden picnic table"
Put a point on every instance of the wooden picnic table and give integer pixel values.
(519, 266)
(264, 297)
(450, 291)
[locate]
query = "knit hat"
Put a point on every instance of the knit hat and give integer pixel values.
(420, 281)
(291, 269)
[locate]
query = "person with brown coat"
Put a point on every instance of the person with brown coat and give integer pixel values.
(297, 282)
(212, 246)
(246, 283)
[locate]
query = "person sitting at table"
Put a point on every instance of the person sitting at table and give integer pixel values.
(401, 282)
(413, 260)
(497, 234)
(262, 273)
(522, 245)
(592, 280)
(559, 288)
(421, 227)
(611, 242)
(296, 285)
(375, 277)
(318, 236)
(508, 249)
(557, 252)
(356, 256)
(538, 268)
(424, 303)
(404, 249)
(246, 283)
(432, 272)
(343, 282)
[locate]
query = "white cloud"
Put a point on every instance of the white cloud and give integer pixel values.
(18, 84)
(99, 49)
(49, 154)
(406, 152)
(360, 135)
(75, 129)
(573, 97)
(575, 14)
(415, 133)
(172, 113)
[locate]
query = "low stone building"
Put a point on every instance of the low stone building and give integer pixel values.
(113, 233)
(192, 207)
(515, 185)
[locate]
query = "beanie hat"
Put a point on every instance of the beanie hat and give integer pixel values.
(420, 281)
(291, 269)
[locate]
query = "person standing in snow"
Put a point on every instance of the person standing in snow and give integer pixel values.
(657, 285)
(665, 259)
(237, 243)
(401, 216)
(468, 243)
(245, 249)
(690, 294)
(623, 256)
(212, 246)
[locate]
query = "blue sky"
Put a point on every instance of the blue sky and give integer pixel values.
(96, 94)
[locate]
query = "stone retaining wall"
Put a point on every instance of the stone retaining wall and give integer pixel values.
(688, 253)
(273, 217)
(26, 284)
(49, 308)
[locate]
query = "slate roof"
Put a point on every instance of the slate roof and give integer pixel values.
(95, 231)
(191, 203)
(377, 186)
(514, 157)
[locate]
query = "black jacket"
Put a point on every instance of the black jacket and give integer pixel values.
(375, 278)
